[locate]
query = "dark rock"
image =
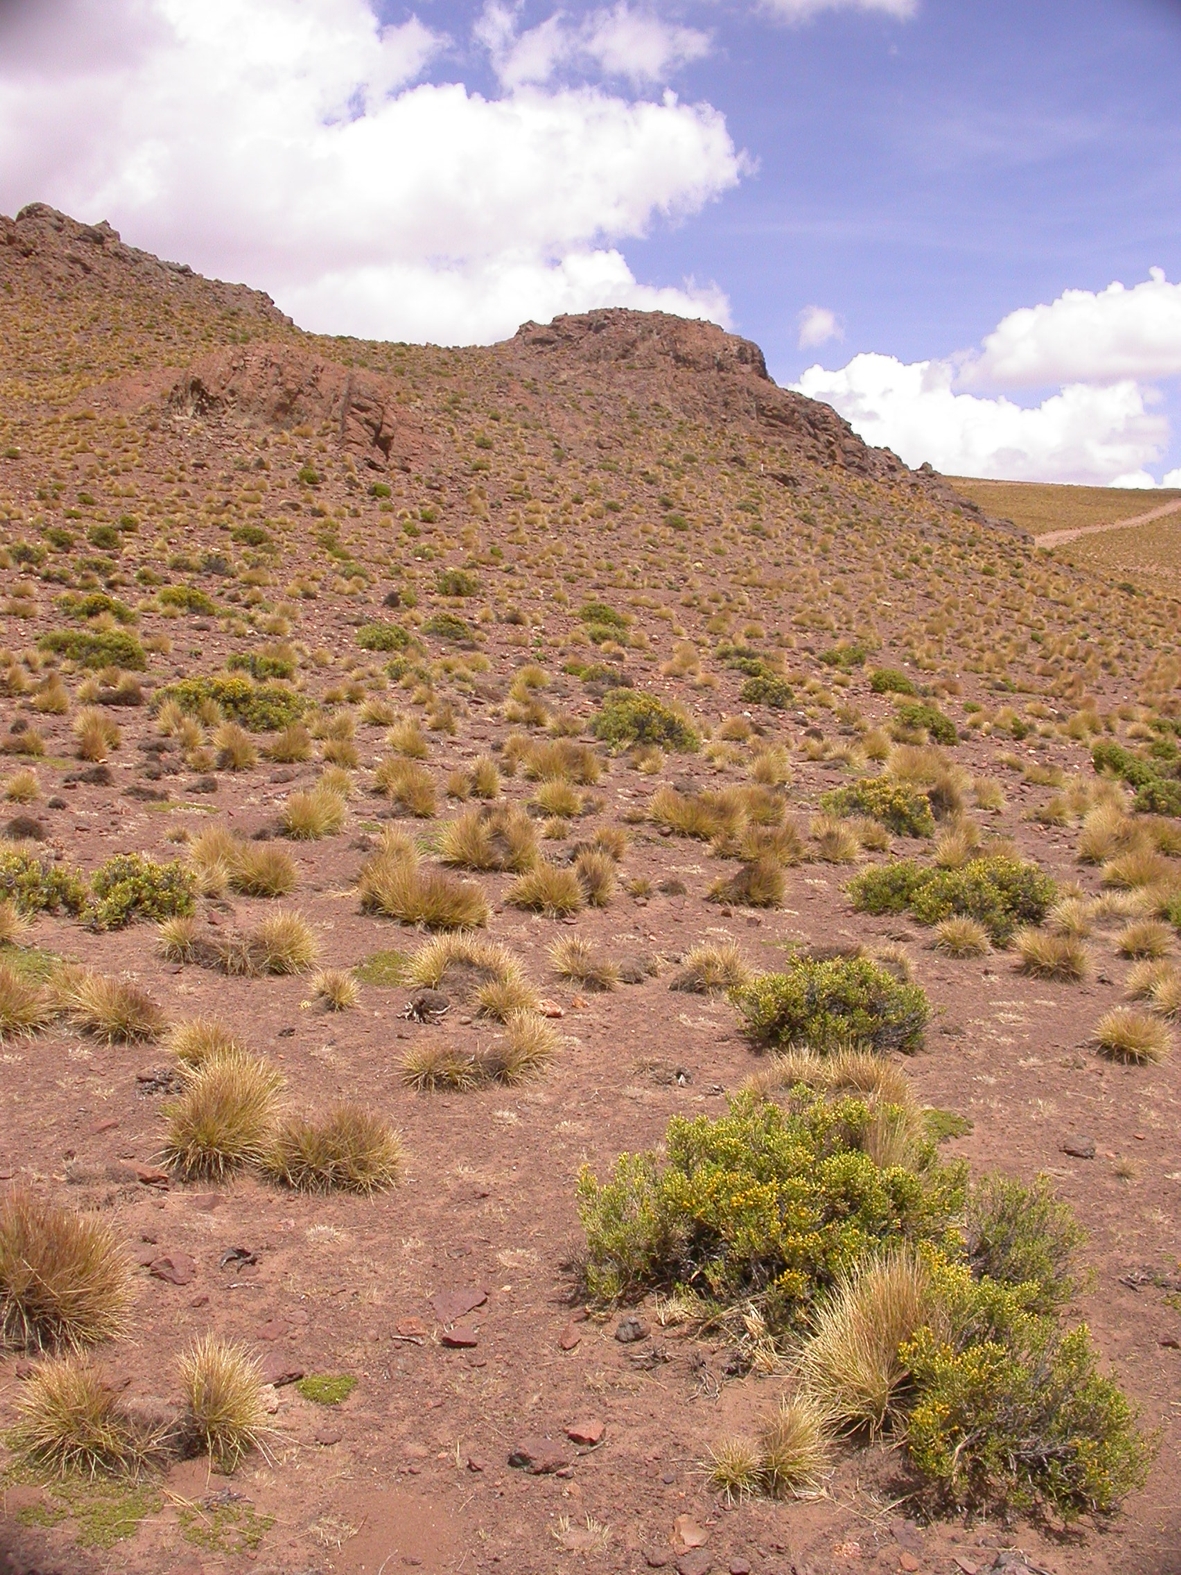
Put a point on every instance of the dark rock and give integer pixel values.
(327, 1434)
(23, 828)
(1079, 1147)
(628, 1330)
(696, 1562)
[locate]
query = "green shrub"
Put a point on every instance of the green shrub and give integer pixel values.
(133, 886)
(999, 892)
(761, 1204)
(1110, 756)
(605, 617)
(457, 582)
(889, 681)
(1159, 798)
(628, 716)
(832, 1003)
(898, 805)
(449, 626)
(845, 655)
(251, 536)
(263, 708)
(111, 649)
(383, 637)
(1019, 1235)
(1022, 1423)
(187, 598)
(105, 537)
(766, 689)
(92, 605)
(921, 714)
(260, 664)
(39, 888)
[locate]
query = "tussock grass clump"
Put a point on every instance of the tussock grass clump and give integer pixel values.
(348, 1150)
(549, 889)
(734, 1469)
(114, 1010)
(831, 1004)
(234, 747)
(256, 869)
(69, 1422)
(1166, 995)
(575, 958)
(14, 927)
(97, 734)
(308, 816)
(490, 838)
(760, 883)
(561, 760)
(844, 1072)
(961, 937)
(64, 1278)
(471, 969)
(336, 989)
(527, 1046)
(178, 939)
(223, 1394)
(558, 797)
(1136, 1038)
(1143, 979)
(714, 966)
(202, 1039)
(595, 869)
(23, 787)
(224, 1119)
(1149, 938)
(1071, 916)
(407, 784)
(292, 745)
(406, 738)
(836, 841)
(393, 883)
(1139, 868)
(282, 943)
(795, 1447)
(851, 1364)
(25, 1007)
(1045, 955)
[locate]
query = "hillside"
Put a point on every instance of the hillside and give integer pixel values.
(600, 647)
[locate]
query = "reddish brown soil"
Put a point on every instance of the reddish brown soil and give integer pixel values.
(411, 1471)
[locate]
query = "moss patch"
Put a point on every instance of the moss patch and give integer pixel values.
(327, 1388)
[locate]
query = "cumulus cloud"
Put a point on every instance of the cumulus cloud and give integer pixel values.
(1086, 336)
(1082, 434)
(817, 326)
(805, 10)
(1172, 478)
(286, 142)
(637, 46)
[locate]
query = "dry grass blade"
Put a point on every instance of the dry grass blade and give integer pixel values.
(715, 966)
(410, 786)
(223, 1392)
(734, 1469)
(529, 1044)
(224, 1119)
(348, 1150)
(178, 938)
(283, 943)
(482, 838)
(64, 1278)
(961, 937)
(308, 816)
(14, 927)
(398, 888)
(595, 869)
(429, 1067)
(1148, 938)
(337, 989)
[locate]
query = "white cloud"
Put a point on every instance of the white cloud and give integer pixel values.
(817, 326)
(621, 42)
(1085, 336)
(1082, 434)
(1171, 478)
(805, 10)
(282, 142)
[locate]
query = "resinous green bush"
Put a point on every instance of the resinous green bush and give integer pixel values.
(1000, 892)
(630, 717)
(834, 1003)
(896, 805)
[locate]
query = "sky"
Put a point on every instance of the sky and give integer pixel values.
(959, 224)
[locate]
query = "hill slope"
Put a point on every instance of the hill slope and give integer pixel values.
(307, 614)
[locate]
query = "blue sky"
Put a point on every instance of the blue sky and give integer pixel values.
(914, 171)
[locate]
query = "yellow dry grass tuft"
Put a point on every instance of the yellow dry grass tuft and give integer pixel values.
(308, 816)
(336, 988)
(961, 936)
(348, 1150)
(575, 958)
(114, 1010)
(1045, 955)
(202, 1039)
(223, 1394)
(224, 1119)
(1133, 1037)
(69, 1422)
(795, 1447)
(393, 883)
(64, 1277)
(549, 889)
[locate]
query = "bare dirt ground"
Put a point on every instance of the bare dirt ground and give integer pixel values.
(646, 465)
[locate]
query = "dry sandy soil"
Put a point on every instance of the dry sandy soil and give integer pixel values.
(650, 465)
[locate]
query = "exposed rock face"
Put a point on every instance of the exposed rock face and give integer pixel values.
(63, 251)
(285, 385)
(697, 369)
